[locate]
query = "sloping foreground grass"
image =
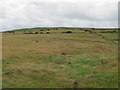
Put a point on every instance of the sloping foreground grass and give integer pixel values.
(57, 60)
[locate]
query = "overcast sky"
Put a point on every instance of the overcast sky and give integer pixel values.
(36, 13)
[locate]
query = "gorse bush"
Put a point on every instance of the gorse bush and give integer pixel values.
(36, 32)
(68, 31)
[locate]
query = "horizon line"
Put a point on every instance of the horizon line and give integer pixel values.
(59, 27)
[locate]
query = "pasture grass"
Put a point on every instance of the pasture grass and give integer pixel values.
(57, 60)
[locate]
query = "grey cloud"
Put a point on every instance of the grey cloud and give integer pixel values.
(86, 11)
(19, 14)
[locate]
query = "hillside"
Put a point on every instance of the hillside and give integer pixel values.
(57, 57)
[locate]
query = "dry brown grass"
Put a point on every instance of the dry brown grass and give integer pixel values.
(57, 60)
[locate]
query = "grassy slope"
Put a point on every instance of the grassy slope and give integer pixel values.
(57, 60)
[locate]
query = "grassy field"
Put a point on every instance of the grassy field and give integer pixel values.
(57, 60)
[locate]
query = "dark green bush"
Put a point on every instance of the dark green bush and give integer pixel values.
(68, 32)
